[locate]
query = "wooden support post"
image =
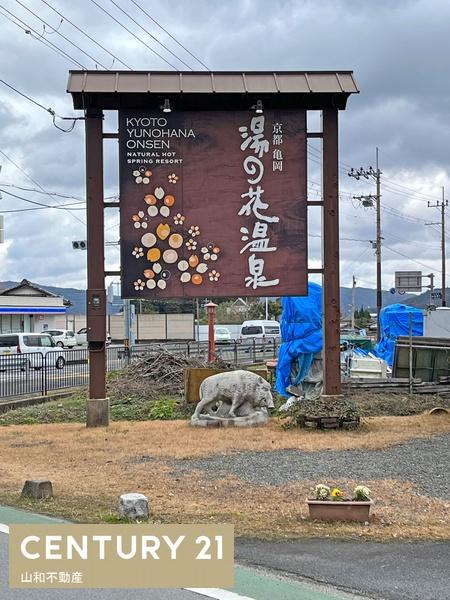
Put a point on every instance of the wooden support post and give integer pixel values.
(97, 405)
(330, 254)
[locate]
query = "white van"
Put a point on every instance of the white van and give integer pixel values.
(29, 350)
(260, 330)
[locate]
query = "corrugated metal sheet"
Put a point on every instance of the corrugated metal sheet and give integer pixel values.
(171, 82)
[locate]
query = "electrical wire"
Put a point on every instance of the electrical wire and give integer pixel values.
(87, 35)
(170, 35)
(49, 110)
(96, 62)
(417, 262)
(391, 185)
(150, 34)
(36, 182)
(41, 204)
(37, 191)
(28, 30)
(133, 34)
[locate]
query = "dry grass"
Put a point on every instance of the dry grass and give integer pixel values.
(90, 468)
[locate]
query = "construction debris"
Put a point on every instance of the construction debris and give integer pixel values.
(156, 373)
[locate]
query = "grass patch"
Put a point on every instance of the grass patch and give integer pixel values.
(73, 410)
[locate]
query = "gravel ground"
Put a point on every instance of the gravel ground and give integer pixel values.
(422, 462)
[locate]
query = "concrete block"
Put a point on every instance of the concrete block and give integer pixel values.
(134, 506)
(37, 488)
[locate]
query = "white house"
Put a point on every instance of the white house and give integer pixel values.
(27, 307)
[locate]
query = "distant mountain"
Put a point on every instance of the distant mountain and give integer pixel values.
(364, 297)
(76, 297)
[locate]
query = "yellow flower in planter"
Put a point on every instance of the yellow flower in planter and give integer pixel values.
(337, 494)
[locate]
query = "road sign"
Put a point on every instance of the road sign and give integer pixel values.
(408, 281)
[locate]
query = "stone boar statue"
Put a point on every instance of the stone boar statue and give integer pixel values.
(233, 395)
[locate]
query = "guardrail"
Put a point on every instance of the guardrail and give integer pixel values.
(37, 373)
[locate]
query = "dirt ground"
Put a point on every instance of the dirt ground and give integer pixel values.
(91, 468)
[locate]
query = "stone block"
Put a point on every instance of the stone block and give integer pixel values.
(38, 488)
(133, 506)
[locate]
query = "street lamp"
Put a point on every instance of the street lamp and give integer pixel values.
(211, 312)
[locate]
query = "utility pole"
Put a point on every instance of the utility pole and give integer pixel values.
(367, 201)
(442, 205)
(353, 303)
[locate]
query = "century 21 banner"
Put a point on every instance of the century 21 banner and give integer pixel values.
(213, 203)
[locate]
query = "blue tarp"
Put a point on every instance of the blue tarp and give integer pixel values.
(301, 334)
(394, 322)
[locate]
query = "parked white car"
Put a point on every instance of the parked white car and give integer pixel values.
(221, 334)
(81, 337)
(25, 350)
(63, 337)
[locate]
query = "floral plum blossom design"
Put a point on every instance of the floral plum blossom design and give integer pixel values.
(194, 231)
(179, 219)
(210, 252)
(172, 178)
(142, 175)
(214, 275)
(139, 285)
(191, 244)
(140, 220)
(138, 252)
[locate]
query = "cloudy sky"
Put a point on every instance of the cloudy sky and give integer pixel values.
(398, 50)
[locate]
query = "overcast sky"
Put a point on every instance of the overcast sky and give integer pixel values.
(399, 51)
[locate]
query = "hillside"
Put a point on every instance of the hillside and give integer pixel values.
(364, 297)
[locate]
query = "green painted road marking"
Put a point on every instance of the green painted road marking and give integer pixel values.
(267, 587)
(9, 515)
(248, 582)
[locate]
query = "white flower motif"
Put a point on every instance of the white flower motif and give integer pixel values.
(191, 244)
(214, 275)
(172, 178)
(138, 252)
(194, 230)
(139, 285)
(140, 220)
(179, 219)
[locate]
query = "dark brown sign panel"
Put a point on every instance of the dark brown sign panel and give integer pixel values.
(213, 203)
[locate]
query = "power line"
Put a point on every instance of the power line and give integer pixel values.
(170, 35)
(36, 182)
(37, 191)
(41, 204)
(342, 165)
(60, 34)
(417, 262)
(151, 35)
(38, 38)
(29, 30)
(86, 35)
(49, 110)
(133, 34)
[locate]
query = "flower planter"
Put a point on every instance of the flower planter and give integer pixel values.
(329, 510)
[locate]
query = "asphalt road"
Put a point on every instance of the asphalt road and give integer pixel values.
(392, 571)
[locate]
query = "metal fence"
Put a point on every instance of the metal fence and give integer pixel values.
(38, 374)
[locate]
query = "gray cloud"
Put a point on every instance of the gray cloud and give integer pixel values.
(399, 51)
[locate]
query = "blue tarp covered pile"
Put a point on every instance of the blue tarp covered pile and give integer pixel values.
(394, 322)
(301, 334)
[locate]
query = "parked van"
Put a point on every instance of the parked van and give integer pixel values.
(260, 330)
(29, 350)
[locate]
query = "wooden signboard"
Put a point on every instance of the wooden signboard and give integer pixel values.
(213, 203)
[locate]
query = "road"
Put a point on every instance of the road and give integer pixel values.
(250, 584)
(15, 382)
